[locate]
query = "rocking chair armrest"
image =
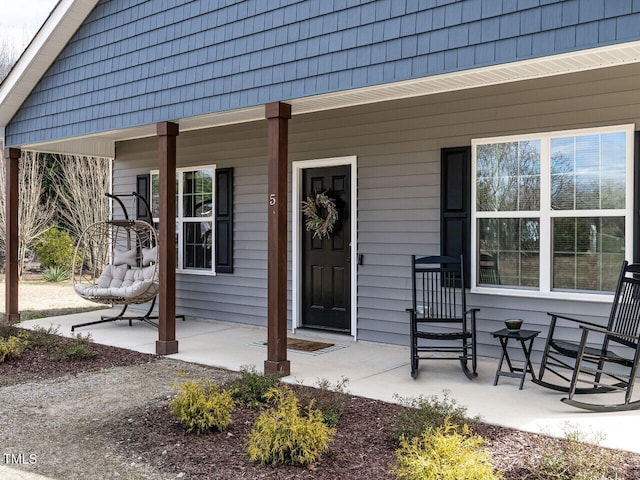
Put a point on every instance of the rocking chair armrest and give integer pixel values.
(472, 311)
(604, 331)
(571, 319)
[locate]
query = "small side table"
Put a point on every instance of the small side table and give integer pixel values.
(522, 336)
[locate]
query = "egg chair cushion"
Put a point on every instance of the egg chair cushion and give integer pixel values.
(120, 281)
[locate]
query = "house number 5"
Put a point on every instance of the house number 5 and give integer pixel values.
(272, 199)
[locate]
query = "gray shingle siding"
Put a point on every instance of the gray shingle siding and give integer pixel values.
(136, 62)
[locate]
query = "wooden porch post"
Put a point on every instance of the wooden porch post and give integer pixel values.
(11, 158)
(167, 343)
(278, 115)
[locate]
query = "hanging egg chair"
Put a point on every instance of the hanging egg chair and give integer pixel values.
(116, 263)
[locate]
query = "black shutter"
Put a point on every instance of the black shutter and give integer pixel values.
(455, 205)
(636, 198)
(143, 188)
(224, 220)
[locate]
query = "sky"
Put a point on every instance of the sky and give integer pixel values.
(21, 19)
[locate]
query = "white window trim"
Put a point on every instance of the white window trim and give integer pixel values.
(545, 214)
(180, 221)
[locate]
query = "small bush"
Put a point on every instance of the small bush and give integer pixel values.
(251, 387)
(329, 399)
(44, 338)
(77, 348)
(7, 330)
(55, 275)
(425, 413)
(575, 457)
(284, 435)
(447, 452)
(203, 407)
(12, 347)
(56, 249)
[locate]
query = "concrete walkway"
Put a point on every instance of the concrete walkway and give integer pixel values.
(375, 371)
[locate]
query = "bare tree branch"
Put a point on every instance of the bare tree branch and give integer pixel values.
(34, 215)
(80, 185)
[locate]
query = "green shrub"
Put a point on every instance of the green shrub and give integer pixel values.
(44, 338)
(424, 413)
(284, 435)
(55, 249)
(77, 348)
(56, 274)
(575, 457)
(447, 452)
(329, 399)
(203, 407)
(251, 387)
(12, 347)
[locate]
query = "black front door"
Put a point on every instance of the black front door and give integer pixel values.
(326, 278)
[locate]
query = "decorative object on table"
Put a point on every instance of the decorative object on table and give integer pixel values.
(513, 324)
(321, 214)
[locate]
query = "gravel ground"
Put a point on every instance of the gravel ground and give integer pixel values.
(53, 423)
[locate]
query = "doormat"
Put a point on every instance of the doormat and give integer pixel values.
(306, 346)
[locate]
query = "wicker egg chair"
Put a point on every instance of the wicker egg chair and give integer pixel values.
(116, 263)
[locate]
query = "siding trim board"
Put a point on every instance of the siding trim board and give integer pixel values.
(296, 228)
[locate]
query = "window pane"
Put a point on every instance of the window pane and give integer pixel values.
(155, 195)
(197, 245)
(509, 252)
(508, 176)
(587, 252)
(197, 193)
(588, 172)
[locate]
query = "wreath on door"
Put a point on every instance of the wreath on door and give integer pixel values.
(320, 214)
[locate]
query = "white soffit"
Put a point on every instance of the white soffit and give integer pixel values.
(573, 62)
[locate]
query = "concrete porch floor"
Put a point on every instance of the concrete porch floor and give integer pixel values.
(374, 370)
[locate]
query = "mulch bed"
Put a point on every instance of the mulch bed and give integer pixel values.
(36, 364)
(362, 448)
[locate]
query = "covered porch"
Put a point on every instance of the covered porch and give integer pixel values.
(374, 370)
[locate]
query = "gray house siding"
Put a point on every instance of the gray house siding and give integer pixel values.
(241, 296)
(137, 62)
(398, 149)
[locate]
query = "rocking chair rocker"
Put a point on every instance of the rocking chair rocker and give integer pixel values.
(606, 358)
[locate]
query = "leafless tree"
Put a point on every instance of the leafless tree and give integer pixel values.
(34, 214)
(8, 56)
(80, 184)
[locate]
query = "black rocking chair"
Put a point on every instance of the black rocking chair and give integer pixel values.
(606, 358)
(439, 317)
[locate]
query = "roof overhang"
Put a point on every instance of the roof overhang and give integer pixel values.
(69, 14)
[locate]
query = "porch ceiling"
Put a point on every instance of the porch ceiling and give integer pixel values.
(103, 143)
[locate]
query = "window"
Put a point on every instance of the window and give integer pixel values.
(194, 217)
(552, 212)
